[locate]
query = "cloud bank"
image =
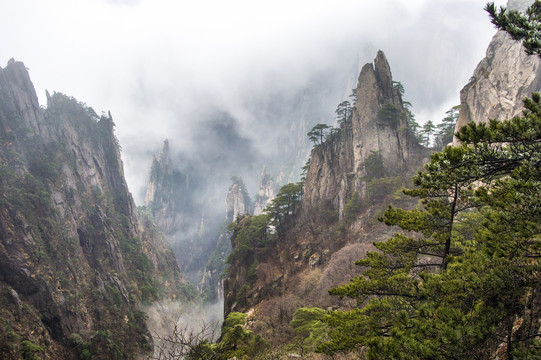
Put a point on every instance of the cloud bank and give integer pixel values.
(163, 66)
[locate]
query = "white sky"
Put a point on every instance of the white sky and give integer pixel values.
(155, 63)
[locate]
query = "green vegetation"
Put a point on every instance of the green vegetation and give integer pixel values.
(352, 207)
(389, 115)
(238, 342)
(29, 350)
(285, 205)
(378, 189)
(427, 132)
(464, 281)
(317, 133)
(311, 329)
(521, 26)
(446, 129)
(343, 112)
(235, 342)
(250, 233)
(373, 166)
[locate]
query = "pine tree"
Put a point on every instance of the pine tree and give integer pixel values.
(464, 279)
(446, 129)
(521, 26)
(427, 132)
(317, 133)
(343, 112)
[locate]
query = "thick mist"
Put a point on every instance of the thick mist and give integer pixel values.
(164, 67)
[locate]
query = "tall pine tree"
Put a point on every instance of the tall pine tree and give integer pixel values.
(463, 281)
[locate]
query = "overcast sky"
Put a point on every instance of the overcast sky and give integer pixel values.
(156, 64)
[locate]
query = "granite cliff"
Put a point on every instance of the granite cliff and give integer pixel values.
(501, 80)
(331, 221)
(376, 133)
(76, 259)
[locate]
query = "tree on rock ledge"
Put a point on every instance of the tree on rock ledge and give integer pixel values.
(463, 282)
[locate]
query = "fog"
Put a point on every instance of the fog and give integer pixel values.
(164, 67)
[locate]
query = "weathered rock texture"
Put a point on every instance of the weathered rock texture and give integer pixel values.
(500, 81)
(265, 193)
(75, 259)
(377, 128)
(169, 196)
(275, 272)
(237, 200)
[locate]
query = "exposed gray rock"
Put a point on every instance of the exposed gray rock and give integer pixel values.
(499, 83)
(15, 298)
(237, 201)
(16, 87)
(501, 80)
(68, 221)
(265, 193)
(377, 127)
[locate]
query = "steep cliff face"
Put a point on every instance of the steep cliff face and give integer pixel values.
(237, 201)
(168, 194)
(378, 124)
(265, 193)
(75, 260)
(351, 177)
(190, 212)
(172, 199)
(376, 131)
(501, 80)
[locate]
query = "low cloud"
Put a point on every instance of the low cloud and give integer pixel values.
(162, 66)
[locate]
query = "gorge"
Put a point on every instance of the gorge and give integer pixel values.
(262, 234)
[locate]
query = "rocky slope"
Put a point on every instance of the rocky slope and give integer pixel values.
(76, 261)
(351, 177)
(501, 80)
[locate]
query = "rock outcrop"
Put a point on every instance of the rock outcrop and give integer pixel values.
(279, 266)
(75, 258)
(377, 130)
(179, 203)
(265, 193)
(168, 195)
(237, 200)
(501, 80)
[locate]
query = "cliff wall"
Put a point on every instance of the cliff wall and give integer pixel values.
(276, 270)
(377, 130)
(75, 259)
(501, 80)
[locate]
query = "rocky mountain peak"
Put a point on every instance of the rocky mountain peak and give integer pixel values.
(265, 193)
(377, 129)
(377, 117)
(161, 170)
(165, 156)
(384, 77)
(237, 200)
(73, 249)
(17, 89)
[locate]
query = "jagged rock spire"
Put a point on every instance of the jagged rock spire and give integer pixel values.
(377, 119)
(378, 126)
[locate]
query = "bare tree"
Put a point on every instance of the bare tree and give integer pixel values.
(185, 342)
